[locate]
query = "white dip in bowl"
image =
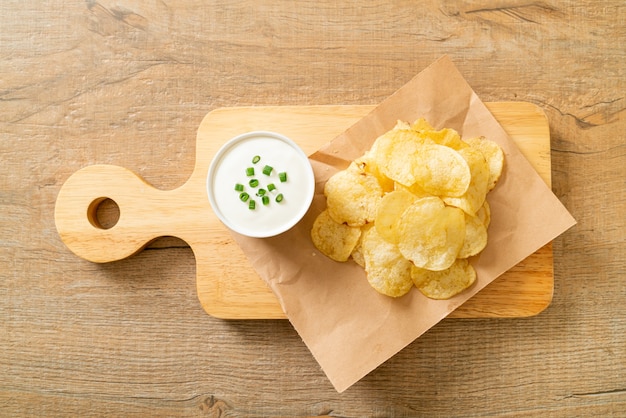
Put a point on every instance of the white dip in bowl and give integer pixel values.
(279, 204)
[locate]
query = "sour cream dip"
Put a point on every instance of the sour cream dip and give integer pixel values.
(252, 168)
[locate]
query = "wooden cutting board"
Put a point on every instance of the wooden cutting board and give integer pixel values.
(227, 285)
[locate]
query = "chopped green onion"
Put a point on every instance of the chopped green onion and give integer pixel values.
(260, 192)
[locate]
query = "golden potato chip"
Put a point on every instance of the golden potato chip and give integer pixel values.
(395, 154)
(367, 163)
(352, 196)
(475, 237)
(475, 195)
(415, 189)
(387, 270)
(441, 171)
(484, 214)
(357, 255)
(494, 156)
(389, 211)
(422, 125)
(402, 126)
(431, 234)
(335, 240)
(446, 283)
(448, 137)
(412, 209)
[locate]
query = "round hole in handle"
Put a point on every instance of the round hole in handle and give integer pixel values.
(103, 213)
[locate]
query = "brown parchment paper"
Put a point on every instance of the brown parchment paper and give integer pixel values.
(350, 328)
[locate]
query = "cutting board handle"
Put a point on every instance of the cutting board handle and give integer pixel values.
(139, 207)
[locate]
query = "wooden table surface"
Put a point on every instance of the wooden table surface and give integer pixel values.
(128, 83)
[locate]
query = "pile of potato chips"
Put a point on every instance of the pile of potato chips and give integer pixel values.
(412, 210)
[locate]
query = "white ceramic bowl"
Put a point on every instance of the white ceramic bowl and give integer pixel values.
(270, 217)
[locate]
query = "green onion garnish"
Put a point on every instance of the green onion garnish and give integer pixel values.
(261, 192)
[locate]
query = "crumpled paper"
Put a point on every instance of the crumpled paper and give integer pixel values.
(349, 327)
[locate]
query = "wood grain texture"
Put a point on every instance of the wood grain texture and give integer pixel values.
(128, 82)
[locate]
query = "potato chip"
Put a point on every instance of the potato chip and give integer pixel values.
(390, 208)
(448, 137)
(352, 196)
(494, 156)
(484, 214)
(422, 125)
(357, 254)
(476, 193)
(415, 189)
(387, 270)
(441, 171)
(335, 240)
(367, 163)
(431, 234)
(402, 126)
(446, 283)
(412, 209)
(475, 237)
(396, 153)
